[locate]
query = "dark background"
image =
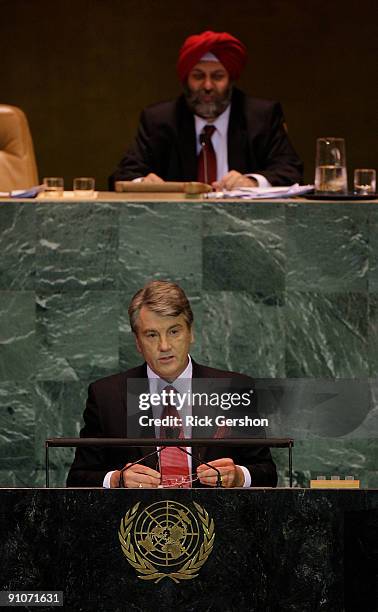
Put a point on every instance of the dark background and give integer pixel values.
(82, 70)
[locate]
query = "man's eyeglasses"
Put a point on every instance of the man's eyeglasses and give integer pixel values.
(178, 482)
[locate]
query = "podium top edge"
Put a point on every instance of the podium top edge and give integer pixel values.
(153, 442)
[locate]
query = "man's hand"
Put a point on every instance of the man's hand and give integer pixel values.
(138, 476)
(232, 475)
(152, 178)
(233, 180)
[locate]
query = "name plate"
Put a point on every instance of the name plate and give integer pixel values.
(334, 484)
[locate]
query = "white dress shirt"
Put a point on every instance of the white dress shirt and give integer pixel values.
(182, 384)
(219, 140)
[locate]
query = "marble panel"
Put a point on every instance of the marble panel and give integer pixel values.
(318, 323)
(327, 247)
(129, 357)
(160, 241)
(373, 334)
(17, 430)
(77, 246)
(244, 333)
(17, 246)
(373, 250)
(23, 478)
(58, 413)
(310, 408)
(17, 335)
(338, 457)
(77, 335)
(57, 473)
(243, 248)
(326, 335)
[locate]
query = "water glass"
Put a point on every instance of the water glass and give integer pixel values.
(53, 186)
(84, 187)
(330, 166)
(364, 181)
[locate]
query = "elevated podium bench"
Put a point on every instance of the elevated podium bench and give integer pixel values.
(253, 549)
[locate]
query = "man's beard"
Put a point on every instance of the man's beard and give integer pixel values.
(207, 110)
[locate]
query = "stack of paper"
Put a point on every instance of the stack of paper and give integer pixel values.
(259, 193)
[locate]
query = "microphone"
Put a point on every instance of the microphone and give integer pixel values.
(172, 433)
(202, 139)
(203, 143)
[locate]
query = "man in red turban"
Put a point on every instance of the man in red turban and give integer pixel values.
(213, 132)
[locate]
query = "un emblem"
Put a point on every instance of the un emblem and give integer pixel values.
(167, 540)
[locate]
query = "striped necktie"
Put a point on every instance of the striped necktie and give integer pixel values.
(173, 462)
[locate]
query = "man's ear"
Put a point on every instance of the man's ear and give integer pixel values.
(192, 339)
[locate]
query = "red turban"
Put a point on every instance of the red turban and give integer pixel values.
(228, 49)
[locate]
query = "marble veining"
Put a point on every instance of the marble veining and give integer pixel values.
(17, 247)
(279, 290)
(327, 248)
(77, 246)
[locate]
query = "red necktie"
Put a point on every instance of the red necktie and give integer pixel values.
(207, 160)
(173, 462)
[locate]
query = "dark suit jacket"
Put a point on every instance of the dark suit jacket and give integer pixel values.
(106, 416)
(166, 143)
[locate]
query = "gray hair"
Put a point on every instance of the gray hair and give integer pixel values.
(162, 297)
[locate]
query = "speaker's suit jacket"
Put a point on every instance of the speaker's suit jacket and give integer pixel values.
(106, 415)
(257, 142)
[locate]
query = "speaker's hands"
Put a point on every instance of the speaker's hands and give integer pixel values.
(232, 475)
(138, 476)
(152, 178)
(234, 180)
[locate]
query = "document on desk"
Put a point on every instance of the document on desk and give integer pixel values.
(32, 192)
(260, 193)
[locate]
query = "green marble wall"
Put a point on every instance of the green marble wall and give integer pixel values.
(278, 290)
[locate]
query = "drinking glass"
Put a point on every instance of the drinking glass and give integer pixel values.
(84, 187)
(330, 171)
(53, 186)
(364, 181)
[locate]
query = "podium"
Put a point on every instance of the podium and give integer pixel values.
(273, 549)
(154, 443)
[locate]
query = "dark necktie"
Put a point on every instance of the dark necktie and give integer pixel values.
(207, 161)
(173, 462)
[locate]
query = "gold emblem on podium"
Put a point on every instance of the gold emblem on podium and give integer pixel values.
(167, 540)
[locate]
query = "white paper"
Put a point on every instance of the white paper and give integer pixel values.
(259, 193)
